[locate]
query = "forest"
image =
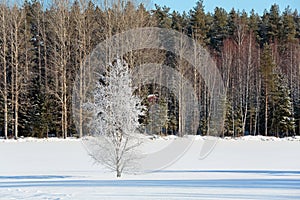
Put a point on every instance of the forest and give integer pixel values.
(43, 45)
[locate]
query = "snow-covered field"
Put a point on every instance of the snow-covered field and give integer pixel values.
(243, 168)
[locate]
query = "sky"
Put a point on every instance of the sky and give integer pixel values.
(258, 5)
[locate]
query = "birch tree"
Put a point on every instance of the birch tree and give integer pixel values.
(60, 24)
(115, 113)
(3, 57)
(18, 63)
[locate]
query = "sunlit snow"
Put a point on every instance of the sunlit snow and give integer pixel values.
(244, 168)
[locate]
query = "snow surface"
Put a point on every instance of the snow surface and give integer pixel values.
(237, 168)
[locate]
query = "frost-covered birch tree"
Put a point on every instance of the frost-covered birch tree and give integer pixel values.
(115, 124)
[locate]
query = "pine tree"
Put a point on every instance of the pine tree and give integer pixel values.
(267, 66)
(177, 23)
(274, 23)
(162, 16)
(198, 23)
(296, 16)
(253, 21)
(288, 30)
(270, 25)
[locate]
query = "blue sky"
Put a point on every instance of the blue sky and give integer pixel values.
(258, 5)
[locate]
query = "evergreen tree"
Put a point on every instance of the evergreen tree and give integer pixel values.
(176, 21)
(198, 23)
(253, 23)
(37, 94)
(282, 120)
(264, 28)
(233, 18)
(158, 117)
(270, 25)
(267, 66)
(179, 22)
(162, 16)
(274, 23)
(288, 30)
(219, 28)
(228, 120)
(296, 16)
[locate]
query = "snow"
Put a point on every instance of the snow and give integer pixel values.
(237, 168)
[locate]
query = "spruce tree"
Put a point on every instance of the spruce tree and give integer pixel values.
(283, 120)
(228, 120)
(219, 28)
(158, 117)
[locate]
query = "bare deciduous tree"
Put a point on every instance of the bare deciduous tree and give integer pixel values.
(60, 24)
(4, 83)
(114, 124)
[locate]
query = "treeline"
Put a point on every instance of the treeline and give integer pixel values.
(42, 47)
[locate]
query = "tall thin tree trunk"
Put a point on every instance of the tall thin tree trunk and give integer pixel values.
(65, 110)
(5, 93)
(247, 83)
(16, 55)
(256, 122)
(266, 111)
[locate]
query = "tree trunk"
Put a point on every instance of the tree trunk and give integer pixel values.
(16, 59)
(266, 112)
(247, 84)
(16, 115)
(256, 122)
(5, 93)
(118, 173)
